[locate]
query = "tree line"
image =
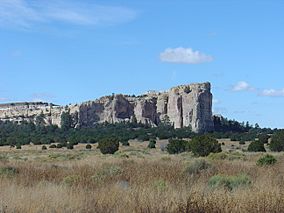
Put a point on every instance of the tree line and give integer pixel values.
(13, 134)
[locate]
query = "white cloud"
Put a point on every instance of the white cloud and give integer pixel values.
(17, 13)
(184, 56)
(26, 14)
(272, 93)
(242, 86)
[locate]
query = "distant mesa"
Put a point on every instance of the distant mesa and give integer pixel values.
(183, 106)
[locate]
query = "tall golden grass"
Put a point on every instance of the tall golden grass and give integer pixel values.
(153, 182)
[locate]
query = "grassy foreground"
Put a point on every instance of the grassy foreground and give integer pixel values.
(137, 179)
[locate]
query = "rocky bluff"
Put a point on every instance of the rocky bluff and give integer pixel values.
(184, 106)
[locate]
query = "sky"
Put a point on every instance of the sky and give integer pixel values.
(70, 51)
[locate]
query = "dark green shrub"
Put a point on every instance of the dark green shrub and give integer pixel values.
(88, 146)
(235, 137)
(229, 182)
(256, 146)
(263, 138)
(44, 140)
(125, 143)
(66, 121)
(152, 144)
(74, 143)
(277, 142)
(52, 146)
(18, 146)
(204, 145)
(176, 146)
(143, 137)
(181, 133)
(59, 146)
(242, 142)
(44, 148)
(70, 146)
(92, 140)
(108, 145)
(266, 160)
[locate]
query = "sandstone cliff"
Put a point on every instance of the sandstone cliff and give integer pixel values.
(186, 105)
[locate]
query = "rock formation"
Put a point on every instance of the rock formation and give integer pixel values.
(184, 106)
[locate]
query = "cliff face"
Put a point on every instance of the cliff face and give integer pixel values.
(183, 106)
(191, 105)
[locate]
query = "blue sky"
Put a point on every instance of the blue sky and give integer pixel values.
(67, 51)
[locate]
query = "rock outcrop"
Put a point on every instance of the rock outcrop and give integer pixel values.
(183, 106)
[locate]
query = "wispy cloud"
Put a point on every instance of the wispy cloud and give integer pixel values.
(242, 86)
(184, 56)
(272, 92)
(26, 14)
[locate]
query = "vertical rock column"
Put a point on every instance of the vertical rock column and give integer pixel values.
(197, 107)
(162, 106)
(175, 108)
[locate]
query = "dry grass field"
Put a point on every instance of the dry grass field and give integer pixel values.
(137, 179)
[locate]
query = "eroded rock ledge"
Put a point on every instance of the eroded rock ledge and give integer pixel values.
(183, 106)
